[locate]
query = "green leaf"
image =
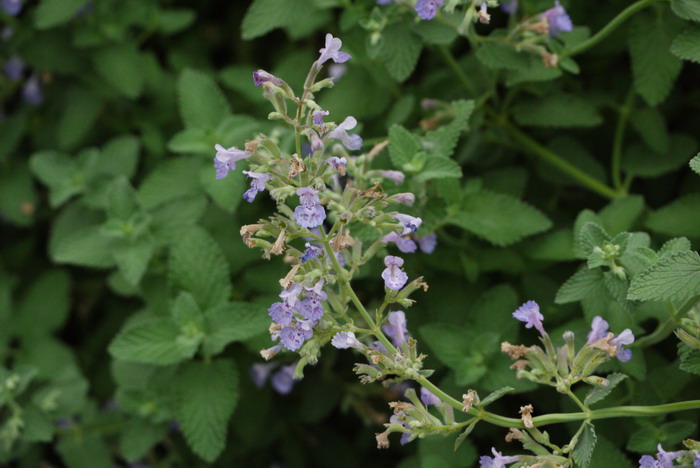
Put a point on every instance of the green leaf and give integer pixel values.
(463, 436)
(497, 55)
(399, 50)
(38, 426)
(77, 119)
(120, 156)
(52, 13)
(676, 278)
(121, 199)
(647, 438)
(18, 197)
(495, 395)
(592, 236)
(619, 215)
(265, 15)
(236, 321)
(672, 246)
(678, 218)
(403, 146)
(45, 306)
(137, 438)
(442, 142)
(84, 451)
(641, 161)
(169, 180)
(60, 173)
(607, 455)
(686, 45)
(154, 342)
(171, 218)
(690, 358)
(206, 397)
(439, 168)
(695, 163)
(85, 247)
(686, 9)
(654, 68)
(585, 446)
(581, 285)
(558, 110)
(121, 66)
(133, 257)
(650, 125)
(435, 32)
(227, 193)
(198, 266)
(202, 104)
(599, 393)
(499, 218)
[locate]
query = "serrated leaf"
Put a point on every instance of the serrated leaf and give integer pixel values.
(45, 305)
(85, 247)
(201, 102)
(171, 179)
(198, 266)
(672, 246)
(52, 13)
(403, 146)
(599, 393)
(154, 342)
(171, 218)
(592, 235)
(641, 161)
(686, 45)
(119, 156)
(580, 285)
(207, 394)
(399, 50)
(585, 446)
(138, 437)
(559, 110)
(678, 218)
(620, 215)
(442, 142)
(690, 358)
(497, 55)
(695, 164)
(133, 258)
(265, 15)
(84, 451)
(236, 321)
(654, 68)
(38, 426)
(686, 9)
(121, 66)
(439, 168)
(499, 218)
(676, 278)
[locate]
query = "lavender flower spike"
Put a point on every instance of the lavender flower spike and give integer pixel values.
(394, 278)
(283, 381)
(497, 461)
(353, 141)
(623, 339)
(332, 51)
(256, 185)
(226, 159)
(427, 9)
(428, 398)
(396, 328)
(12, 7)
(530, 314)
(345, 340)
(558, 20)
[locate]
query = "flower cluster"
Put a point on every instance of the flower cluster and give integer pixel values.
(294, 318)
(666, 459)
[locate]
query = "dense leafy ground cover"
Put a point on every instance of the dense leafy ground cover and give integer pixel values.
(449, 169)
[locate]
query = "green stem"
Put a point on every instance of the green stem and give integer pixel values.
(561, 164)
(618, 140)
(456, 69)
(577, 401)
(609, 28)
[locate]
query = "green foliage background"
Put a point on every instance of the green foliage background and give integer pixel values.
(129, 303)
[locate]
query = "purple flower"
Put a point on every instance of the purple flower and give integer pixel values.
(283, 380)
(647, 461)
(14, 68)
(281, 312)
(427, 243)
(395, 176)
(345, 340)
(337, 163)
(405, 198)
(350, 141)
(31, 91)
(557, 19)
(256, 185)
(396, 327)
(292, 337)
(261, 76)
(497, 461)
(316, 291)
(332, 51)
(623, 339)
(510, 8)
(530, 314)
(696, 463)
(317, 117)
(309, 214)
(664, 458)
(410, 223)
(291, 294)
(599, 329)
(394, 277)
(12, 7)
(404, 244)
(311, 252)
(483, 14)
(428, 398)
(427, 9)
(260, 372)
(226, 159)
(337, 70)
(311, 309)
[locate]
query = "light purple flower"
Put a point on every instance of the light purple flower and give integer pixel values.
(226, 159)
(345, 340)
(379, 347)
(31, 91)
(332, 51)
(308, 196)
(292, 337)
(316, 142)
(664, 458)
(257, 184)
(396, 329)
(316, 291)
(647, 461)
(12, 7)
(261, 76)
(317, 117)
(427, 243)
(283, 380)
(558, 20)
(404, 244)
(510, 8)
(410, 223)
(394, 278)
(405, 198)
(427, 397)
(497, 461)
(281, 313)
(291, 294)
(530, 314)
(395, 176)
(260, 372)
(311, 252)
(405, 436)
(623, 339)
(14, 68)
(350, 141)
(311, 309)
(427, 9)
(599, 329)
(696, 463)
(309, 214)
(337, 163)
(337, 70)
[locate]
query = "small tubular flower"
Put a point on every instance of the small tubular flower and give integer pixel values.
(497, 461)
(396, 328)
(394, 278)
(352, 141)
(257, 184)
(345, 340)
(405, 245)
(283, 381)
(427, 9)
(427, 397)
(226, 159)
(332, 51)
(558, 20)
(530, 314)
